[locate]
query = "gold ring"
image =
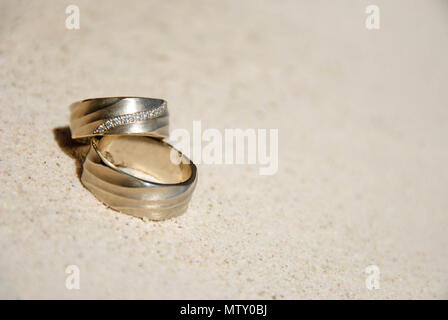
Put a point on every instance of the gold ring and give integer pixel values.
(135, 175)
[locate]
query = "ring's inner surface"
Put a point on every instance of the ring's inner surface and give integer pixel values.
(143, 157)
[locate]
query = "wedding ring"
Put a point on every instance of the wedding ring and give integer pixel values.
(135, 175)
(119, 116)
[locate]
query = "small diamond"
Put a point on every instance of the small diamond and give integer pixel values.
(108, 124)
(139, 116)
(116, 121)
(124, 119)
(131, 118)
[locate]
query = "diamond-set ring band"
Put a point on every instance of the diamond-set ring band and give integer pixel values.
(119, 115)
(128, 166)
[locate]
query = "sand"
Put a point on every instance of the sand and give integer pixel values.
(362, 122)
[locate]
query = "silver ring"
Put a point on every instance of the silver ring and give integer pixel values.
(119, 116)
(135, 175)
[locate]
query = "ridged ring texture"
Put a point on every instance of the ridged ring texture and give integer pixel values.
(119, 116)
(130, 194)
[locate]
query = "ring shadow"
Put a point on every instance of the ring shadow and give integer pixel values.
(73, 148)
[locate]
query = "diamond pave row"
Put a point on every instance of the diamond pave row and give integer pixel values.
(130, 118)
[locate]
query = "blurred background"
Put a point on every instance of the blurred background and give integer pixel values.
(362, 119)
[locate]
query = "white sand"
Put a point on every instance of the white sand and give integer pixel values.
(363, 127)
